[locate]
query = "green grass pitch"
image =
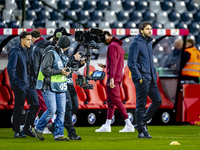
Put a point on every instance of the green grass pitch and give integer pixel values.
(187, 136)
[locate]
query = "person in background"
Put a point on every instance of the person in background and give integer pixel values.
(140, 63)
(191, 64)
(114, 66)
(21, 75)
(38, 51)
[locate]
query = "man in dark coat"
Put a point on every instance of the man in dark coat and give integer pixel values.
(21, 75)
(140, 63)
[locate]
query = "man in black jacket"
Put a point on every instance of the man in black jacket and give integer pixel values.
(20, 70)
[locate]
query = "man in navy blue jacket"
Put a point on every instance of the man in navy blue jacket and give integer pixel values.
(21, 75)
(140, 63)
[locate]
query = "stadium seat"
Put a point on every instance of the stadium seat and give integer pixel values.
(3, 24)
(197, 39)
(38, 24)
(6, 14)
(174, 17)
(10, 4)
(104, 24)
(197, 17)
(4, 95)
(169, 25)
(50, 24)
(130, 24)
(194, 28)
(180, 7)
(154, 6)
(31, 15)
(64, 24)
(43, 16)
(103, 6)
(116, 6)
(97, 16)
(28, 24)
(192, 7)
(187, 17)
(181, 25)
(157, 25)
(117, 25)
(136, 17)
(162, 17)
(56, 16)
(110, 16)
(84, 16)
(91, 24)
(82, 97)
(72, 14)
(149, 16)
(129, 6)
(28, 6)
(14, 24)
(123, 16)
(76, 25)
(90, 6)
(52, 3)
(97, 95)
(37, 6)
(142, 6)
(63, 5)
(167, 6)
(77, 6)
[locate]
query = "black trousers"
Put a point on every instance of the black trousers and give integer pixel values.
(71, 107)
(142, 90)
(31, 96)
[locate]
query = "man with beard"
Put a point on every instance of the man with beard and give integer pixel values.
(140, 63)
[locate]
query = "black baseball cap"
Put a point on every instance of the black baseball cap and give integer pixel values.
(60, 32)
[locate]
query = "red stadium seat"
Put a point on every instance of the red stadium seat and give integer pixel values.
(129, 89)
(80, 93)
(4, 95)
(97, 95)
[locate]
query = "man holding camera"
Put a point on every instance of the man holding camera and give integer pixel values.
(52, 81)
(114, 66)
(71, 95)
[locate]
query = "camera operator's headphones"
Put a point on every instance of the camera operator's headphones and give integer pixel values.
(59, 34)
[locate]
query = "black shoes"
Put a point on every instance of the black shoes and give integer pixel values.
(74, 137)
(19, 135)
(50, 126)
(142, 131)
(29, 133)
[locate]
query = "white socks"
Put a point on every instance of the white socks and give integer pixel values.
(128, 122)
(108, 122)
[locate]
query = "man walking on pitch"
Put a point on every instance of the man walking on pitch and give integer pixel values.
(140, 63)
(114, 66)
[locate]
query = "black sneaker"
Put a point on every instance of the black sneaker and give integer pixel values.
(74, 137)
(61, 138)
(19, 135)
(50, 126)
(39, 135)
(29, 133)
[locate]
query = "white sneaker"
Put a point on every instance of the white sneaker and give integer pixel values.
(46, 131)
(104, 128)
(128, 129)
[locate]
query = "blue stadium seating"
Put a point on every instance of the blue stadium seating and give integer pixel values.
(72, 14)
(84, 16)
(149, 16)
(130, 24)
(157, 25)
(194, 28)
(90, 6)
(36, 5)
(175, 17)
(103, 6)
(3, 24)
(117, 25)
(167, 6)
(129, 6)
(91, 24)
(14, 24)
(31, 15)
(56, 16)
(192, 7)
(142, 6)
(123, 16)
(182, 25)
(187, 17)
(63, 5)
(77, 5)
(43, 16)
(136, 17)
(97, 16)
(197, 17)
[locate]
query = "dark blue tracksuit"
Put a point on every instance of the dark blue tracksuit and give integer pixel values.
(140, 63)
(20, 70)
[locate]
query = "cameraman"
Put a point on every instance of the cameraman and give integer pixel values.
(52, 80)
(71, 95)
